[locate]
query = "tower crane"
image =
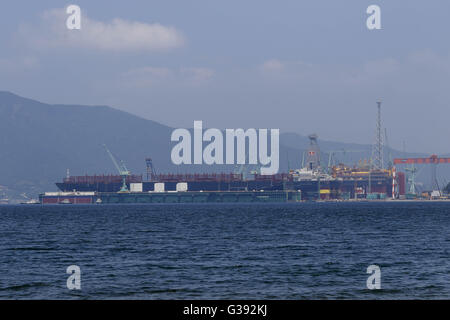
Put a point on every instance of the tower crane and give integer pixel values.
(151, 172)
(121, 167)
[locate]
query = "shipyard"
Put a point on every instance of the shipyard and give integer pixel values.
(369, 179)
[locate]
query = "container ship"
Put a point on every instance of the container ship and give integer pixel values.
(340, 182)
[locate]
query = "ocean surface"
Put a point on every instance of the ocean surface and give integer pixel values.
(226, 251)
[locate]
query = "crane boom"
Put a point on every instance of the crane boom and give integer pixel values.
(123, 171)
(121, 168)
(112, 158)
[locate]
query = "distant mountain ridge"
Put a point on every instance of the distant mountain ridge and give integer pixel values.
(39, 141)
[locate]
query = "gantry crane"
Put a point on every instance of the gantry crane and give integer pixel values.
(434, 160)
(123, 171)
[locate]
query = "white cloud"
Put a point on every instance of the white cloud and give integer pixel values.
(116, 35)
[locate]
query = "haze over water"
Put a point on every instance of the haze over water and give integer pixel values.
(235, 251)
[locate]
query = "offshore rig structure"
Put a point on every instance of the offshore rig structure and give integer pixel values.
(368, 180)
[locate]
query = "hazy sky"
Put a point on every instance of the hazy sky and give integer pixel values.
(301, 66)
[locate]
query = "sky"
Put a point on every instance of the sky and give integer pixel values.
(298, 66)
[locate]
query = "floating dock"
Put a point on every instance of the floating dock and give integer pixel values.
(169, 197)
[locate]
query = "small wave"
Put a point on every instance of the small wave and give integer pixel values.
(25, 286)
(30, 249)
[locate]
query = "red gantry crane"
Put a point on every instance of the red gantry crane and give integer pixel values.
(434, 160)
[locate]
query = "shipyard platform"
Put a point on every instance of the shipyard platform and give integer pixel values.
(169, 197)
